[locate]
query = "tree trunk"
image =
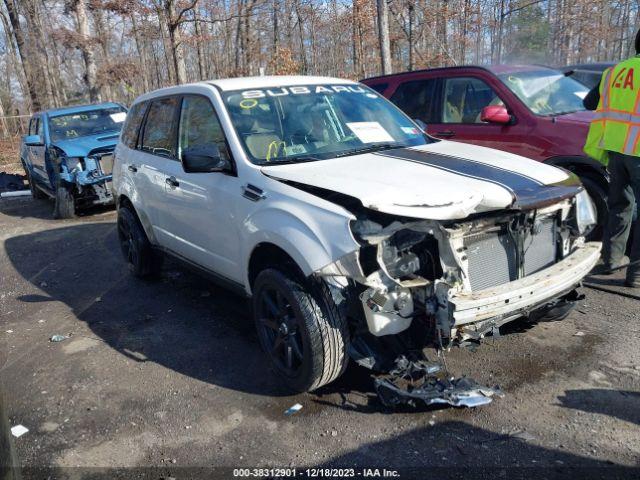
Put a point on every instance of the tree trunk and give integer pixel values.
(202, 64)
(28, 70)
(175, 40)
(90, 75)
(13, 55)
(383, 37)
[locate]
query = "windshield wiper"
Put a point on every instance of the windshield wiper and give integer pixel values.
(371, 148)
(290, 160)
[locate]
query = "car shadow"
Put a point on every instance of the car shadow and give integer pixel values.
(42, 209)
(180, 321)
(614, 403)
(458, 450)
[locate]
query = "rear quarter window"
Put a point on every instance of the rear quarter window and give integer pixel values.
(132, 124)
(416, 99)
(379, 87)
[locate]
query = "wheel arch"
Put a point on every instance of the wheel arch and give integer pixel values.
(583, 166)
(311, 236)
(267, 254)
(124, 201)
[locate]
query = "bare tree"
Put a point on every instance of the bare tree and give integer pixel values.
(383, 35)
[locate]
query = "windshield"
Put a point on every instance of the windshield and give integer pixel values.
(314, 122)
(81, 124)
(546, 92)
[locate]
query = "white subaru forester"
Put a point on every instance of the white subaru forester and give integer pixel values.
(355, 234)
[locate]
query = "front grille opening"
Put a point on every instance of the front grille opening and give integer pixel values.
(493, 256)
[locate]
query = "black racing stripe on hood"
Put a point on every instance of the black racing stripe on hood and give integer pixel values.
(526, 192)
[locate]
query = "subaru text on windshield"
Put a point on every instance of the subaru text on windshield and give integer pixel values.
(356, 235)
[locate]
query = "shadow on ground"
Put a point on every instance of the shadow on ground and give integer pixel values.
(181, 321)
(615, 403)
(41, 208)
(458, 450)
(448, 450)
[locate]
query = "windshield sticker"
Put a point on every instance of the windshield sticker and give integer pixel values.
(302, 90)
(248, 103)
(118, 117)
(410, 130)
(370, 132)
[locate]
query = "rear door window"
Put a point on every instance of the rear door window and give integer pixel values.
(159, 136)
(464, 99)
(33, 126)
(132, 124)
(417, 99)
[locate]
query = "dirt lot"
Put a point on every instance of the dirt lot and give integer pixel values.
(168, 374)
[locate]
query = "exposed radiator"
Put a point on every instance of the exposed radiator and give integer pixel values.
(540, 249)
(493, 259)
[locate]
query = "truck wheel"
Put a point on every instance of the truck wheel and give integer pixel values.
(135, 246)
(64, 202)
(599, 197)
(300, 328)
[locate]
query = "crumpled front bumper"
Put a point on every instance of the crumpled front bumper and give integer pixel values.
(515, 298)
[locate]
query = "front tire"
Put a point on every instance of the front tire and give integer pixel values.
(135, 246)
(300, 329)
(65, 205)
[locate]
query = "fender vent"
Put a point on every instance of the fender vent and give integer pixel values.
(252, 192)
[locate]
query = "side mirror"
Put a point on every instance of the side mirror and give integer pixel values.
(203, 158)
(495, 114)
(421, 124)
(33, 140)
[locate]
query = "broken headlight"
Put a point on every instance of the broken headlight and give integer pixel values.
(73, 163)
(586, 217)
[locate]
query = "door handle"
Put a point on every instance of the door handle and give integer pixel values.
(132, 168)
(445, 134)
(172, 182)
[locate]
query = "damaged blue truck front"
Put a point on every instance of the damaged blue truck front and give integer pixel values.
(68, 155)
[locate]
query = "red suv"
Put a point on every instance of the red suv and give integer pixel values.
(529, 110)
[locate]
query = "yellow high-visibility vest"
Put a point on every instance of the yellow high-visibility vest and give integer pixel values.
(616, 126)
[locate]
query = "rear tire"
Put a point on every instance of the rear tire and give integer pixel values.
(143, 261)
(65, 205)
(300, 328)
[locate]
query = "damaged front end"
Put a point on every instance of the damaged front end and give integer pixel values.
(416, 284)
(88, 176)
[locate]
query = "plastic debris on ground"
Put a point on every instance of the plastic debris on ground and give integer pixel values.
(58, 338)
(415, 382)
(578, 334)
(17, 193)
(19, 430)
(293, 409)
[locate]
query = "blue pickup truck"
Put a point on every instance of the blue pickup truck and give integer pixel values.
(68, 155)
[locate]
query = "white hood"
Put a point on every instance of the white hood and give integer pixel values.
(438, 181)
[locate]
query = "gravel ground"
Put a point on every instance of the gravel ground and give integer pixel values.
(169, 374)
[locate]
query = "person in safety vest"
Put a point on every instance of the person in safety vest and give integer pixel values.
(614, 140)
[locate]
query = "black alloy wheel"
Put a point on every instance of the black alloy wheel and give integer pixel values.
(279, 330)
